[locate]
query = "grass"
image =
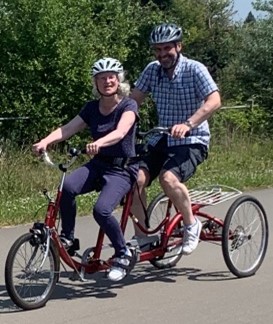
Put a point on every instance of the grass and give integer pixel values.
(242, 162)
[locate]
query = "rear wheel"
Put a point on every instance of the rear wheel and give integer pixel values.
(245, 236)
(157, 211)
(30, 276)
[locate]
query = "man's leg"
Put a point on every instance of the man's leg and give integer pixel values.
(179, 195)
(180, 166)
(139, 200)
(150, 167)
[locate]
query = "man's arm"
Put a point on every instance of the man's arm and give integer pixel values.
(210, 105)
(138, 96)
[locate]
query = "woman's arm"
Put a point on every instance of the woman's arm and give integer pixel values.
(126, 122)
(61, 134)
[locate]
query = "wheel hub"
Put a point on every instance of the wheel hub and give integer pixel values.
(239, 238)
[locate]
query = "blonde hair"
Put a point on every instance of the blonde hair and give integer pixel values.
(123, 87)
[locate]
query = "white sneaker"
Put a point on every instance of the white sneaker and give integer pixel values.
(191, 237)
(120, 267)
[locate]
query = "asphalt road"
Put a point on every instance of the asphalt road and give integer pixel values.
(200, 289)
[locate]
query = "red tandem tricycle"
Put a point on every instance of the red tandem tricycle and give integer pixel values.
(32, 266)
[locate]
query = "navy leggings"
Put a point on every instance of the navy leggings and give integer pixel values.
(114, 182)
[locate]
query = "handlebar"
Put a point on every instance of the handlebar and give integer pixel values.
(159, 130)
(75, 153)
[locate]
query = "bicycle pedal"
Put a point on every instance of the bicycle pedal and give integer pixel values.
(135, 253)
(171, 248)
(75, 247)
(76, 244)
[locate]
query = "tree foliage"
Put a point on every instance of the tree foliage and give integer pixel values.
(48, 47)
(207, 25)
(250, 71)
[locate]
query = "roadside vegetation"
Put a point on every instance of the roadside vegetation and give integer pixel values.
(243, 162)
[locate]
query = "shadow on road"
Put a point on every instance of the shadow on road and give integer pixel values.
(6, 305)
(212, 276)
(98, 286)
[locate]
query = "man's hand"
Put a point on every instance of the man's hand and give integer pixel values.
(180, 130)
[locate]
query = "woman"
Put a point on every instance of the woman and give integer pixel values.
(112, 122)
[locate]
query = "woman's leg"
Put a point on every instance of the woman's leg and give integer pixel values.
(80, 181)
(115, 187)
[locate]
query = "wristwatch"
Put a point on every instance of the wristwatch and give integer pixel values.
(189, 124)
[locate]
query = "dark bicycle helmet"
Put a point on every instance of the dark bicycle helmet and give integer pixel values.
(166, 33)
(107, 64)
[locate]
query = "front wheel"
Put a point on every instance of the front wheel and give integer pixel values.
(157, 211)
(245, 236)
(30, 275)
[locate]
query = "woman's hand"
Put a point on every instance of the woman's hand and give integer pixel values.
(93, 148)
(39, 147)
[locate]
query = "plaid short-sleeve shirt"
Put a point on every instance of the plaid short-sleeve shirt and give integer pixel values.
(178, 99)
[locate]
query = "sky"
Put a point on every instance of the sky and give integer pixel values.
(243, 7)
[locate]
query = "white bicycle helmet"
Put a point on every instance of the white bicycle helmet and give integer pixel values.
(166, 33)
(107, 64)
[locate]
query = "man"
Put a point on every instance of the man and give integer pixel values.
(185, 96)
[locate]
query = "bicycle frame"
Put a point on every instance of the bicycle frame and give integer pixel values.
(166, 227)
(95, 264)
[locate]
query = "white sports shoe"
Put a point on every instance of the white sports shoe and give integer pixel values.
(191, 237)
(120, 267)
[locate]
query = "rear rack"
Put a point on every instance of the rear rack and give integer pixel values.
(212, 194)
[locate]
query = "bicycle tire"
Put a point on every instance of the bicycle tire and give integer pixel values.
(245, 236)
(28, 286)
(156, 213)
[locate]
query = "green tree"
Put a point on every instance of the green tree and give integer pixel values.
(48, 47)
(252, 67)
(250, 18)
(207, 25)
